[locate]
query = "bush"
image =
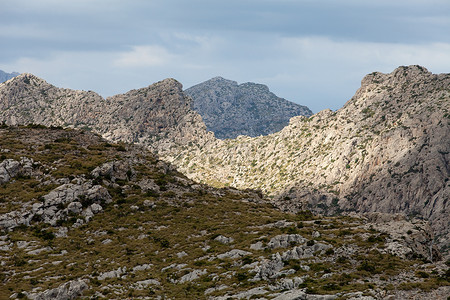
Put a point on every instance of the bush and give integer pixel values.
(247, 260)
(366, 266)
(422, 274)
(241, 276)
(329, 251)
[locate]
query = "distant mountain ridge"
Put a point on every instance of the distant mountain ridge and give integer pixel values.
(386, 150)
(230, 109)
(6, 76)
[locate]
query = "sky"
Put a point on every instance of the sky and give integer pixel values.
(312, 52)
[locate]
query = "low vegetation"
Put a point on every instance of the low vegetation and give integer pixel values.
(164, 235)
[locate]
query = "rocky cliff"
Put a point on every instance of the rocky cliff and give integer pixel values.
(81, 217)
(230, 110)
(6, 76)
(386, 150)
(158, 116)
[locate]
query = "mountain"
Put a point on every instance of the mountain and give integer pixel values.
(81, 217)
(386, 150)
(158, 116)
(6, 76)
(230, 110)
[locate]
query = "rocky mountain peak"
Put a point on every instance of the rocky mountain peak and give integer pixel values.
(219, 79)
(159, 115)
(230, 109)
(25, 81)
(402, 73)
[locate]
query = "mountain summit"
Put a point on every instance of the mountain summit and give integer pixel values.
(230, 109)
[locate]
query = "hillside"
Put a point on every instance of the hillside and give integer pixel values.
(81, 217)
(230, 110)
(386, 150)
(158, 116)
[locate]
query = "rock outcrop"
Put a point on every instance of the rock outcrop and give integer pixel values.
(158, 116)
(230, 110)
(386, 150)
(69, 290)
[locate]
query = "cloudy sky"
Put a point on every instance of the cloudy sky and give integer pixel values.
(313, 52)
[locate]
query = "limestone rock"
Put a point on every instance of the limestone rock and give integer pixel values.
(386, 150)
(223, 239)
(9, 168)
(234, 254)
(299, 294)
(287, 283)
(285, 240)
(140, 285)
(114, 170)
(58, 204)
(69, 290)
(113, 274)
(230, 110)
(192, 276)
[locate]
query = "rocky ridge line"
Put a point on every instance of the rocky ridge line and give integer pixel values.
(250, 109)
(386, 150)
(158, 116)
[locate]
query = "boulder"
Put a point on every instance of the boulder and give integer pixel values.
(69, 290)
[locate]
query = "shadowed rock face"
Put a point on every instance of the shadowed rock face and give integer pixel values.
(230, 110)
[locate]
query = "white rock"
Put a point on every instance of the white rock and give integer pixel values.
(214, 289)
(8, 169)
(96, 208)
(142, 267)
(112, 274)
(62, 232)
(181, 254)
(145, 283)
(285, 240)
(224, 240)
(233, 254)
(257, 246)
(192, 276)
(69, 290)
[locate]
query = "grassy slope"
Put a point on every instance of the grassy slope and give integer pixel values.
(185, 218)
